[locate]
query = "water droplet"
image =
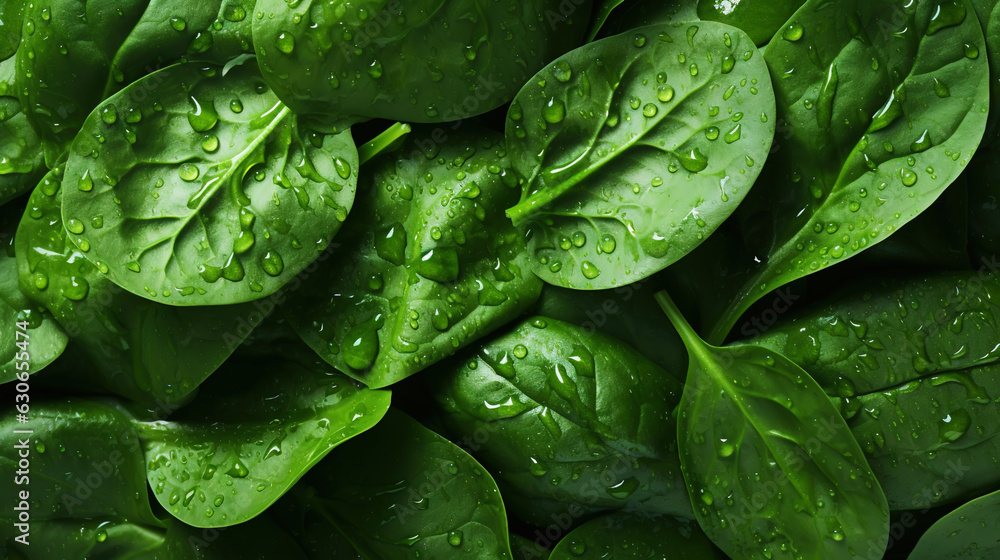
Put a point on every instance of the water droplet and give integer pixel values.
(455, 538)
(562, 71)
(694, 161)
(649, 110)
(793, 32)
(188, 172)
(589, 270)
(554, 111)
(285, 42)
(178, 24)
(908, 177)
(922, 143)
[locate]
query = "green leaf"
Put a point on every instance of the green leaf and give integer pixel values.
(968, 532)
(934, 440)
(761, 19)
(625, 536)
(22, 162)
(76, 54)
(210, 192)
(771, 467)
(413, 61)
(628, 313)
(41, 340)
(879, 333)
(429, 263)
(855, 162)
(572, 423)
(630, 164)
(140, 349)
(247, 439)
(601, 13)
(85, 477)
(430, 499)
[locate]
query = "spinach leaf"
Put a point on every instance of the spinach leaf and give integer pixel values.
(933, 440)
(231, 453)
(429, 264)
(572, 423)
(878, 334)
(137, 348)
(85, 478)
(424, 61)
(88, 497)
(622, 536)
(761, 19)
(629, 164)
(856, 163)
(602, 10)
(41, 340)
(641, 13)
(968, 532)
(628, 313)
(771, 467)
(75, 54)
(21, 161)
(431, 500)
(209, 191)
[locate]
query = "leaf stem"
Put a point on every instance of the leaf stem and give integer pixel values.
(386, 140)
(691, 338)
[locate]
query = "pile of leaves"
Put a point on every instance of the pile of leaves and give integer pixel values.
(560, 279)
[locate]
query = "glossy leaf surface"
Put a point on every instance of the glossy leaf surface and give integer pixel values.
(41, 340)
(85, 478)
(569, 421)
(412, 61)
(21, 160)
(230, 454)
(630, 164)
(934, 440)
(75, 54)
(432, 499)
(772, 469)
(138, 348)
(624, 536)
(429, 262)
(968, 532)
(628, 313)
(878, 334)
(209, 191)
(855, 162)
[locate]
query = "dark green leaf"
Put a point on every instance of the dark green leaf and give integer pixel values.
(969, 532)
(430, 498)
(934, 440)
(210, 191)
(246, 439)
(572, 423)
(625, 536)
(21, 160)
(140, 349)
(761, 19)
(75, 53)
(41, 340)
(429, 262)
(84, 479)
(630, 164)
(413, 61)
(878, 334)
(628, 313)
(881, 107)
(772, 468)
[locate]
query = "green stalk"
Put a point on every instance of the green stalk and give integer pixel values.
(388, 139)
(696, 347)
